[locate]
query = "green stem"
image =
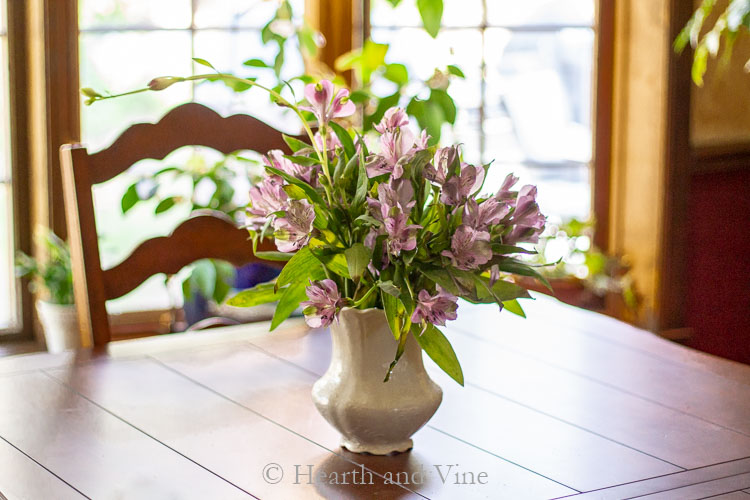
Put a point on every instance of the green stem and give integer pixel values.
(251, 83)
(365, 296)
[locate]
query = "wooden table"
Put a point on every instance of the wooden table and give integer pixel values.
(566, 403)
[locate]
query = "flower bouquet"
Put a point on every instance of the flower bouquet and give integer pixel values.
(398, 226)
(381, 233)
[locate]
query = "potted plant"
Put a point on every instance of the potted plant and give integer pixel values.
(52, 282)
(381, 238)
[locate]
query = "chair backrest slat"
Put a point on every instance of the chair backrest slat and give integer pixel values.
(204, 235)
(191, 124)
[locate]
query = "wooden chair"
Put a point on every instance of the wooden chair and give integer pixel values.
(204, 235)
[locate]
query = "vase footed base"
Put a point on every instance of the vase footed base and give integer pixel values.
(377, 449)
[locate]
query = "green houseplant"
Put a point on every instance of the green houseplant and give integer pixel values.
(52, 281)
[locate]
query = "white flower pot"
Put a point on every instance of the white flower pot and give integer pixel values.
(60, 326)
(373, 416)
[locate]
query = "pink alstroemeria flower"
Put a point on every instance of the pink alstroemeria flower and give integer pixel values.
(324, 105)
(397, 194)
(469, 248)
(395, 145)
(529, 221)
(401, 236)
(266, 198)
(393, 119)
(505, 193)
(292, 231)
(308, 174)
(324, 302)
(481, 216)
(438, 170)
(458, 188)
(435, 309)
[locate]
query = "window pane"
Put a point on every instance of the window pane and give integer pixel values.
(542, 82)
(240, 13)
(121, 61)
(540, 12)
(8, 301)
(134, 13)
(455, 13)
(226, 50)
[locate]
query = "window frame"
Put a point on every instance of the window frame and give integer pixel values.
(21, 223)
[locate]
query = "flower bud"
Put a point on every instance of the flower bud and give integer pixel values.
(163, 82)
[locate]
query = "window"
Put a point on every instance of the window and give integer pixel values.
(9, 307)
(526, 101)
(125, 43)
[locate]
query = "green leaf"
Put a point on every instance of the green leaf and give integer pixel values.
(514, 307)
(357, 258)
(225, 274)
(394, 3)
(431, 12)
(397, 73)
(203, 278)
(446, 104)
(437, 347)
(288, 302)
(204, 63)
(442, 278)
(295, 192)
(362, 180)
(305, 161)
(345, 138)
(456, 71)
(299, 268)
(292, 296)
(295, 144)
(129, 199)
(165, 205)
(517, 267)
(391, 306)
(312, 194)
(274, 256)
(262, 293)
(335, 262)
(389, 288)
(256, 63)
(399, 353)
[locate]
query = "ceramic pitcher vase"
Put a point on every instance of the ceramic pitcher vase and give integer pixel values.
(373, 416)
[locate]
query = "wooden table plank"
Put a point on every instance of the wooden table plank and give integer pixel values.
(737, 495)
(212, 430)
(23, 478)
(241, 374)
(94, 451)
(668, 482)
(708, 489)
(711, 397)
(672, 436)
(572, 456)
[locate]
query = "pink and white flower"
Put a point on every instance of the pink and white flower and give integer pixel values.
(266, 198)
(435, 309)
(470, 248)
(325, 105)
(481, 216)
(292, 231)
(458, 188)
(323, 304)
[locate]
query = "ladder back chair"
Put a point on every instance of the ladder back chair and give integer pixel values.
(203, 235)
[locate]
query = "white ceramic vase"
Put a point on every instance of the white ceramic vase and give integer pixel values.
(60, 326)
(373, 416)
